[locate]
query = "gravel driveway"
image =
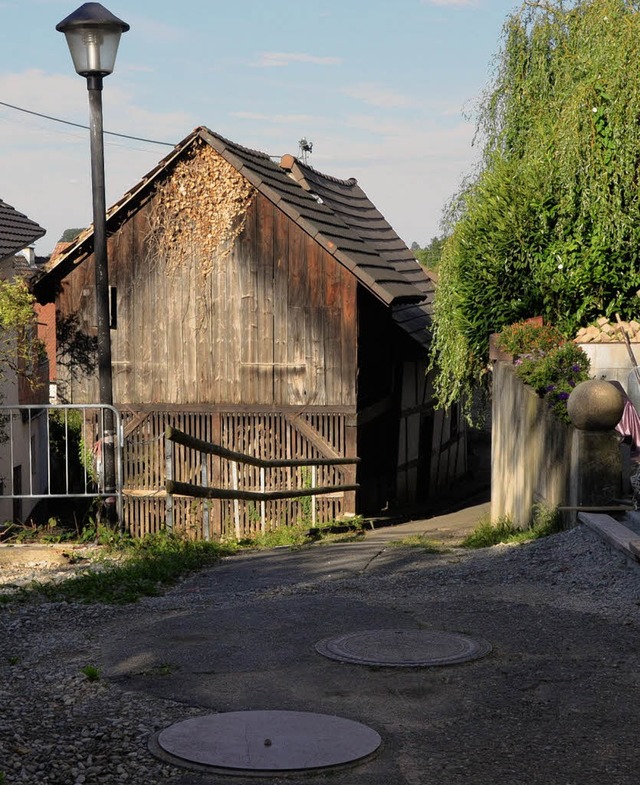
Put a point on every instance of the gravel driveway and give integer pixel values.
(555, 703)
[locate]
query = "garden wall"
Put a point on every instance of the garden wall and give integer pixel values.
(530, 450)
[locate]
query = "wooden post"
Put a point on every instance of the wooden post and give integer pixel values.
(204, 479)
(351, 451)
(263, 505)
(314, 507)
(168, 454)
(236, 503)
(216, 433)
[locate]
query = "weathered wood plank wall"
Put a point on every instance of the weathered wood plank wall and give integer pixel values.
(272, 323)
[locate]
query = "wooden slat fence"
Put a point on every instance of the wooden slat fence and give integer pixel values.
(322, 437)
(276, 480)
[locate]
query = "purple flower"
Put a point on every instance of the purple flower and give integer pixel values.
(575, 368)
(563, 396)
(551, 388)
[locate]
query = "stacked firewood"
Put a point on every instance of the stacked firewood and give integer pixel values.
(607, 331)
(200, 209)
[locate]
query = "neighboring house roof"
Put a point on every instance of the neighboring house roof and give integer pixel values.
(336, 213)
(16, 230)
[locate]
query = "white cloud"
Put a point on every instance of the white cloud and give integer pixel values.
(375, 95)
(408, 170)
(45, 165)
(150, 28)
(283, 59)
(451, 3)
(283, 119)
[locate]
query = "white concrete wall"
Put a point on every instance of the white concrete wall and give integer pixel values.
(611, 361)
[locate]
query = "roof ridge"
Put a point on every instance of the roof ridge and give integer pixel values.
(351, 181)
(234, 145)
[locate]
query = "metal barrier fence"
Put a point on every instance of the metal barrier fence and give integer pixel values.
(56, 452)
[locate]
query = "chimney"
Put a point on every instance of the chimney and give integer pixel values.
(29, 255)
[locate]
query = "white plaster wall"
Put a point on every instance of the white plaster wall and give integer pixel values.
(611, 361)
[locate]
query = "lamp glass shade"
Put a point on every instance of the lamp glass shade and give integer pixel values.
(93, 34)
(93, 48)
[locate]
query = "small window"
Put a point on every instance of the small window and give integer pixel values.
(113, 307)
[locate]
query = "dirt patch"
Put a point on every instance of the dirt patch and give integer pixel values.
(31, 554)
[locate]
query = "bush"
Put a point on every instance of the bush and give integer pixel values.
(529, 338)
(546, 362)
(554, 374)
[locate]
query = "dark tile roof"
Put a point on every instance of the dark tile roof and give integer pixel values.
(337, 214)
(16, 230)
(347, 200)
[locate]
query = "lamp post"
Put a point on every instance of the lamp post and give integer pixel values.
(93, 34)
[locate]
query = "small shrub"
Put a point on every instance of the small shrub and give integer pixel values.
(91, 672)
(555, 374)
(487, 533)
(529, 338)
(546, 362)
(546, 520)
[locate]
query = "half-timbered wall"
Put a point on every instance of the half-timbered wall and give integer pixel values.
(432, 449)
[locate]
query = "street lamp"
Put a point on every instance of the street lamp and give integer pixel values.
(93, 34)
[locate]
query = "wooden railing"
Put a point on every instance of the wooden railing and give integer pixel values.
(204, 490)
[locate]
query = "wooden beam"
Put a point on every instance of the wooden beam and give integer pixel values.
(197, 491)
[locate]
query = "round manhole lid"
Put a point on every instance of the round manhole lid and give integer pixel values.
(403, 648)
(268, 742)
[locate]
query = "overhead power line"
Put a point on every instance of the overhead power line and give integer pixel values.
(86, 127)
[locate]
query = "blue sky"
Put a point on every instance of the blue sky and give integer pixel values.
(385, 90)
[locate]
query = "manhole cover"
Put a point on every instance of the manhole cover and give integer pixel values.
(268, 742)
(403, 648)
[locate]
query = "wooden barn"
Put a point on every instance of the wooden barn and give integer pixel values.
(271, 309)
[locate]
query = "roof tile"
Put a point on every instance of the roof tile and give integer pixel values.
(336, 213)
(16, 230)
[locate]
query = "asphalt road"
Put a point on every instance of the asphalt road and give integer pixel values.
(556, 702)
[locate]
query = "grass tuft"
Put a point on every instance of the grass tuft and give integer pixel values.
(546, 521)
(300, 535)
(91, 672)
(419, 541)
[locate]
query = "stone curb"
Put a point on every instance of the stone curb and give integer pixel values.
(614, 533)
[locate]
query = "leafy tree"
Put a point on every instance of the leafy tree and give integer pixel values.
(69, 235)
(550, 224)
(19, 344)
(429, 256)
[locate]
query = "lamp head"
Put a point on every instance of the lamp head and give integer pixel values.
(93, 34)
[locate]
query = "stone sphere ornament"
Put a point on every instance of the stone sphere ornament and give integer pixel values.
(595, 405)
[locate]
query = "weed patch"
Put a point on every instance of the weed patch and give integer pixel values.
(137, 568)
(300, 535)
(91, 672)
(546, 521)
(419, 541)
